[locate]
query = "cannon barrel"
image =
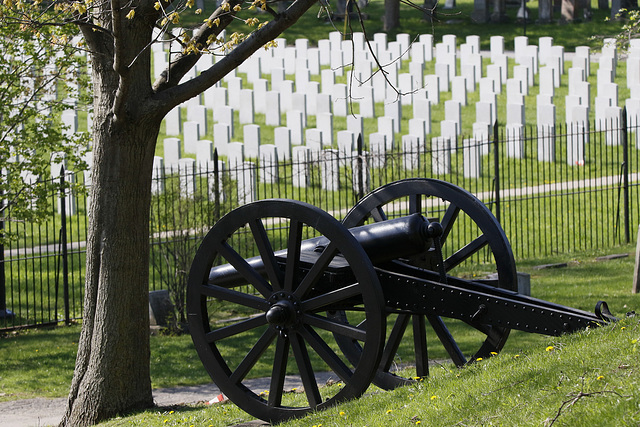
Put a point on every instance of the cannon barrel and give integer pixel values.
(382, 241)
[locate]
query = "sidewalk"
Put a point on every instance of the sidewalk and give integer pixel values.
(41, 412)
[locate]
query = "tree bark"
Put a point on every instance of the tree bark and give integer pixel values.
(112, 365)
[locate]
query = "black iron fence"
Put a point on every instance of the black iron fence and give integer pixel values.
(554, 189)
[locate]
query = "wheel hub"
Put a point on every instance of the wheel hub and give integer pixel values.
(284, 310)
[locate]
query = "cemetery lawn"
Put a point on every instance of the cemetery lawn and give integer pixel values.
(587, 378)
(314, 25)
(602, 364)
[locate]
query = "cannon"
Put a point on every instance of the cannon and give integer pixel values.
(281, 289)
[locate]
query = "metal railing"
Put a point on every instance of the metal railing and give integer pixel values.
(554, 190)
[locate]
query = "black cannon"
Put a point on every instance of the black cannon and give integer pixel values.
(280, 288)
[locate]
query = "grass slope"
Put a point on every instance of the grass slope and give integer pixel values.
(587, 378)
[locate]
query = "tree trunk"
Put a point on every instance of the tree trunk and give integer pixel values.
(112, 366)
(391, 14)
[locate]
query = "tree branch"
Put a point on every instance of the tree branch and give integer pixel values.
(177, 69)
(170, 96)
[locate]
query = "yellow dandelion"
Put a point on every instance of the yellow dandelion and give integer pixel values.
(623, 328)
(418, 422)
(600, 377)
(389, 411)
(516, 356)
(341, 413)
(434, 397)
(478, 359)
(131, 14)
(550, 348)
(170, 412)
(494, 353)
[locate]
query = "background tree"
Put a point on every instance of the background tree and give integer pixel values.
(34, 77)
(112, 367)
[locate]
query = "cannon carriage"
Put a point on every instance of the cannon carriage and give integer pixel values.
(355, 301)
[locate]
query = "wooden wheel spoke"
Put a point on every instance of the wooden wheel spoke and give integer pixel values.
(378, 214)
(266, 253)
(343, 329)
(329, 298)
(279, 371)
(293, 254)
(447, 340)
(420, 345)
(306, 370)
(235, 329)
(324, 351)
(236, 297)
(465, 253)
(253, 356)
(415, 203)
(243, 267)
(315, 273)
(395, 338)
(449, 218)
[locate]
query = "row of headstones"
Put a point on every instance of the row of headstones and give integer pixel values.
(266, 167)
(488, 87)
(445, 56)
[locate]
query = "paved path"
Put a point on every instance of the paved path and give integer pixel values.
(41, 412)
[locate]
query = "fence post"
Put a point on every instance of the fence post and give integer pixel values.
(360, 170)
(4, 313)
(63, 243)
(216, 186)
(625, 172)
(496, 169)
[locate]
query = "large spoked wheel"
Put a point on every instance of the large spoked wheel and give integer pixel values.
(472, 242)
(258, 290)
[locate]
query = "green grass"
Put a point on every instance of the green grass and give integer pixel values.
(39, 363)
(588, 378)
(456, 21)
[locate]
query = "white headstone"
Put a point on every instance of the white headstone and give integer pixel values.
(251, 135)
(268, 164)
(187, 172)
(172, 152)
(300, 166)
(294, 123)
(247, 109)
(410, 152)
(282, 138)
(273, 116)
(330, 170)
(440, 156)
(204, 152)
(515, 141)
(221, 137)
(191, 136)
(471, 158)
